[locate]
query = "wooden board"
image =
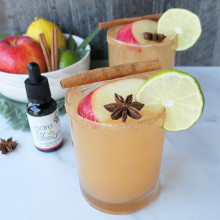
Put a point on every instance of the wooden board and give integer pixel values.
(80, 17)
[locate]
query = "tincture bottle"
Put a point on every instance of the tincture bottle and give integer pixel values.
(42, 111)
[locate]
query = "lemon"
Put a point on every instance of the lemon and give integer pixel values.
(40, 25)
(181, 23)
(178, 92)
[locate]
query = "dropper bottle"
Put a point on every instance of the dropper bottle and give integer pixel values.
(42, 111)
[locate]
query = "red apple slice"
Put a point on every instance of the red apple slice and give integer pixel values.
(85, 107)
(139, 27)
(92, 106)
(125, 34)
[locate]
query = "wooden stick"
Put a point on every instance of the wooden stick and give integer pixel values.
(122, 21)
(56, 48)
(53, 48)
(45, 50)
(107, 73)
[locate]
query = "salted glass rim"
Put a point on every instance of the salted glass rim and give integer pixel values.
(153, 44)
(72, 112)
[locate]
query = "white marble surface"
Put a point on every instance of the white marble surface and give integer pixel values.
(44, 186)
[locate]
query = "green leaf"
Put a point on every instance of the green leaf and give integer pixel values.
(2, 36)
(88, 39)
(81, 53)
(71, 44)
(18, 33)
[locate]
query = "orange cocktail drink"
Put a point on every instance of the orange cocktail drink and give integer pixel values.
(121, 52)
(118, 163)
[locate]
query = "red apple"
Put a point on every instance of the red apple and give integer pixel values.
(133, 32)
(17, 51)
(92, 106)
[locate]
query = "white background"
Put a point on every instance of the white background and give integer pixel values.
(44, 186)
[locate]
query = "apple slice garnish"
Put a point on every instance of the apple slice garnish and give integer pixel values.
(140, 27)
(134, 32)
(92, 106)
(125, 34)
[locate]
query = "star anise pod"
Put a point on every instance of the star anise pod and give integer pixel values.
(124, 108)
(155, 37)
(7, 146)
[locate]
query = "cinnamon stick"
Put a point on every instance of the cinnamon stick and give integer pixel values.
(108, 73)
(54, 50)
(45, 50)
(107, 24)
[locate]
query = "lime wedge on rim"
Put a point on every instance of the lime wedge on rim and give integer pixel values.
(183, 23)
(178, 92)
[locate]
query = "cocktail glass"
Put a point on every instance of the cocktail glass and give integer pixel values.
(118, 164)
(120, 52)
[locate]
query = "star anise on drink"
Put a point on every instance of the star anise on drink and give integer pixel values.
(7, 146)
(124, 108)
(154, 36)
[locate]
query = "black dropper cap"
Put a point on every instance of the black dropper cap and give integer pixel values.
(37, 86)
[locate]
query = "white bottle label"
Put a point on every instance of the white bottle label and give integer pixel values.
(46, 130)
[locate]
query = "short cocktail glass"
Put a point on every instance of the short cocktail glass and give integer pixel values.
(120, 52)
(118, 163)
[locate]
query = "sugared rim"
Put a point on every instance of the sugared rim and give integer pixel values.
(71, 111)
(154, 44)
(55, 71)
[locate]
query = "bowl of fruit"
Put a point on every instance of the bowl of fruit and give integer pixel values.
(58, 56)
